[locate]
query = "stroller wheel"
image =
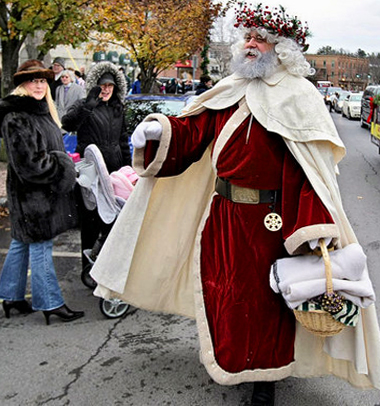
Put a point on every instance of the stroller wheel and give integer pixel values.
(86, 278)
(113, 308)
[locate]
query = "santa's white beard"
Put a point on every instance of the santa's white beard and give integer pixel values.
(263, 65)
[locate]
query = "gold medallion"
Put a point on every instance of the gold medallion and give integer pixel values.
(273, 222)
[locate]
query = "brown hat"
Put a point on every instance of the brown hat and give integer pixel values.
(32, 69)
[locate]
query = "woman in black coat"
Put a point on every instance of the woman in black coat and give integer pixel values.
(40, 187)
(99, 119)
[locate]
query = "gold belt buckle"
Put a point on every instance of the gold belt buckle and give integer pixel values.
(244, 195)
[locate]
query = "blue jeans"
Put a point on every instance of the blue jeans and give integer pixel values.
(46, 293)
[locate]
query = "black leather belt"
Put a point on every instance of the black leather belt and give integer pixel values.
(239, 194)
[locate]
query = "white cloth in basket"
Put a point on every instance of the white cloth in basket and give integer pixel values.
(302, 278)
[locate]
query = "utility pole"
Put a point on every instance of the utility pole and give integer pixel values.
(195, 66)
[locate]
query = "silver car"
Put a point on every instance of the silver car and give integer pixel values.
(339, 102)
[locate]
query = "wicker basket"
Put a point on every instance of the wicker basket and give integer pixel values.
(320, 322)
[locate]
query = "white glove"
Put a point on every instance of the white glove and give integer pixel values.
(151, 130)
(313, 244)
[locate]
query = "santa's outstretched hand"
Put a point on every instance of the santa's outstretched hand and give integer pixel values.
(151, 130)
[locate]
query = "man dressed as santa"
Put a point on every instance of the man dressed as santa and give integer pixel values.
(247, 175)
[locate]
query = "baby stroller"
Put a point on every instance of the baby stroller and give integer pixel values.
(107, 193)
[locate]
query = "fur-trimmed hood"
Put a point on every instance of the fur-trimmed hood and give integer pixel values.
(102, 67)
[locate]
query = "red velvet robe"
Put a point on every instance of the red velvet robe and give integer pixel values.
(250, 325)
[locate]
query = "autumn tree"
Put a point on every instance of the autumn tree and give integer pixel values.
(60, 21)
(156, 33)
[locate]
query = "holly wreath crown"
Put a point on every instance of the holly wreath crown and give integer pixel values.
(276, 22)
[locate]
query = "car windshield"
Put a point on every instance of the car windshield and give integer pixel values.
(343, 95)
(139, 106)
(356, 97)
(332, 90)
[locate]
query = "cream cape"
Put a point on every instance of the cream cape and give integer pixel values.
(151, 258)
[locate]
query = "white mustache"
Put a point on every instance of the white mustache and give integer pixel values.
(251, 52)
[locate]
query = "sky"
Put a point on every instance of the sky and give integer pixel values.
(347, 24)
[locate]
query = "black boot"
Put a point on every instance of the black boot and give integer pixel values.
(22, 306)
(64, 313)
(263, 394)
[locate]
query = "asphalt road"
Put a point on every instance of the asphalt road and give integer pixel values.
(147, 359)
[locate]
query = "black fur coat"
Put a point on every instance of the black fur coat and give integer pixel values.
(41, 176)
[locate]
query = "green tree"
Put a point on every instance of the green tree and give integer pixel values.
(361, 54)
(204, 55)
(326, 50)
(62, 22)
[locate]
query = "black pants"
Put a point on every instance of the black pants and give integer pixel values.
(92, 228)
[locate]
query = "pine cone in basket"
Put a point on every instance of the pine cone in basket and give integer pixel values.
(332, 302)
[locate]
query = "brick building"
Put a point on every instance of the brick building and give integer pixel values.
(343, 71)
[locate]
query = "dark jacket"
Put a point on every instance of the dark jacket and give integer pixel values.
(53, 87)
(171, 86)
(136, 87)
(102, 124)
(201, 88)
(41, 176)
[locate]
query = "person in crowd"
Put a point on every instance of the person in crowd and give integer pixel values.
(205, 84)
(246, 176)
(68, 93)
(79, 80)
(136, 87)
(82, 71)
(156, 87)
(188, 86)
(180, 86)
(40, 189)
(57, 67)
(171, 86)
(99, 119)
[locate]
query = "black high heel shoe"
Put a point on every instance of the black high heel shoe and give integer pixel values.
(263, 394)
(22, 306)
(63, 313)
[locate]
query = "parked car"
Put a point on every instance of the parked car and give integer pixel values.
(351, 105)
(370, 91)
(339, 103)
(138, 106)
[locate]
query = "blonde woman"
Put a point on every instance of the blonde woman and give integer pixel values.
(40, 183)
